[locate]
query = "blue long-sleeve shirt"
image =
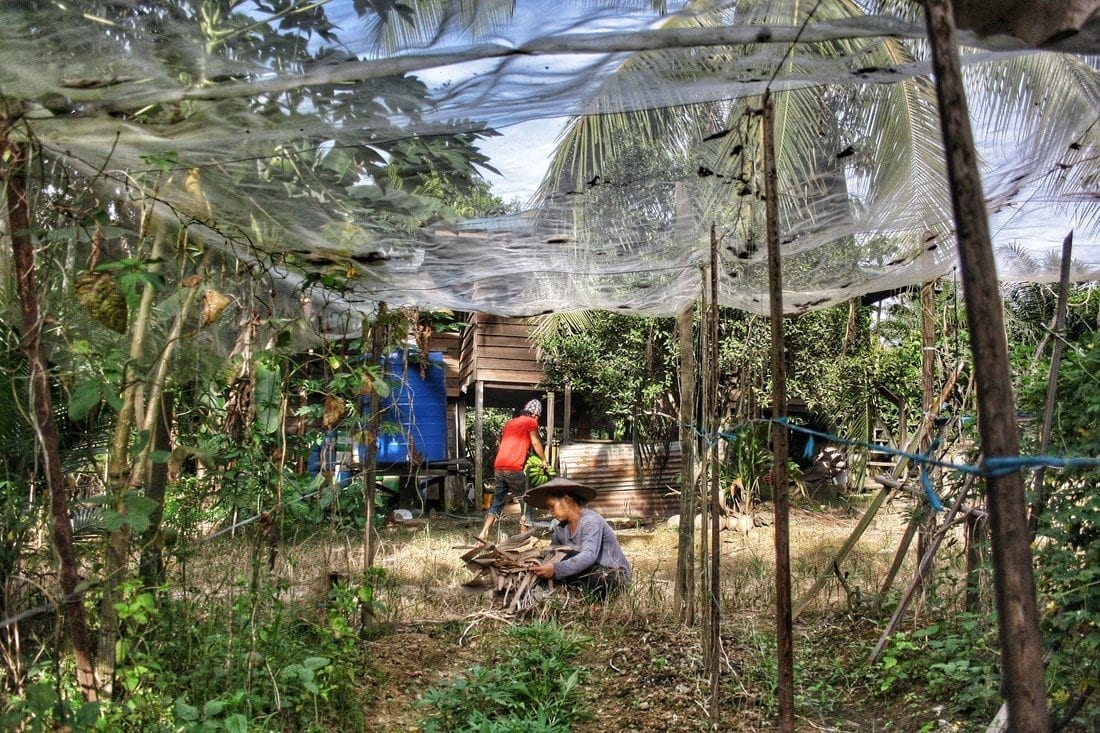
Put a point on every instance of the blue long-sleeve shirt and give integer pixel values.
(595, 543)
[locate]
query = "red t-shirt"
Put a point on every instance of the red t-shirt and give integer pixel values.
(515, 442)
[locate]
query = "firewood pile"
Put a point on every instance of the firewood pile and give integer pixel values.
(504, 568)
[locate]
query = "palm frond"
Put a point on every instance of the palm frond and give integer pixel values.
(577, 321)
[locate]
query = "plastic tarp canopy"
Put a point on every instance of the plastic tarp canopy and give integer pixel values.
(624, 137)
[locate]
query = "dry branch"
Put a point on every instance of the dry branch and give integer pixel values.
(504, 567)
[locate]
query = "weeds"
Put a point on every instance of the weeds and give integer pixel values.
(532, 686)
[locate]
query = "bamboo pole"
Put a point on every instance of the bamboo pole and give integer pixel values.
(685, 557)
(1014, 579)
(783, 615)
(1039, 503)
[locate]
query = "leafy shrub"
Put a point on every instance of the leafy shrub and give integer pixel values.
(531, 687)
(198, 664)
(953, 661)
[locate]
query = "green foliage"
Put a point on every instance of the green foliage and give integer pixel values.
(1067, 552)
(197, 665)
(622, 370)
(492, 423)
(750, 460)
(531, 687)
(1068, 576)
(953, 661)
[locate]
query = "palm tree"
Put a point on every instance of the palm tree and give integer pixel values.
(860, 166)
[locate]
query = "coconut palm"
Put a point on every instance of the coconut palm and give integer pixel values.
(853, 161)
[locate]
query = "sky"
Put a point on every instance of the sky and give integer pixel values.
(522, 154)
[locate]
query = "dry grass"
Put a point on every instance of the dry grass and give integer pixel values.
(425, 574)
(647, 669)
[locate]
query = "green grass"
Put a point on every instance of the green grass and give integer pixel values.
(531, 686)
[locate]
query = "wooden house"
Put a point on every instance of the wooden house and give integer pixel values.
(493, 363)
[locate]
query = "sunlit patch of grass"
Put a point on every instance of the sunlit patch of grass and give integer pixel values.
(426, 575)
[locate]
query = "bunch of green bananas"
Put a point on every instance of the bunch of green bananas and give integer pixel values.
(538, 471)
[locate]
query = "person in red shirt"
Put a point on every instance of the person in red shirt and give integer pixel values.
(519, 437)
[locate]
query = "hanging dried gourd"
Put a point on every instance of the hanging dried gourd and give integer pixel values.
(102, 297)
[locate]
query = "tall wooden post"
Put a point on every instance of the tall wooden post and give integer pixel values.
(926, 522)
(479, 438)
(714, 596)
(551, 426)
(1017, 616)
(684, 584)
(378, 339)
(783, 623)
(684, 591)
(1039, 503)
(567, 418)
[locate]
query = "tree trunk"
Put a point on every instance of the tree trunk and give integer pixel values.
(118, 482)
(152, 544)
(13, 159)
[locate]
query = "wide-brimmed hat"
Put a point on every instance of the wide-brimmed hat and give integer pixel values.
(537, 496)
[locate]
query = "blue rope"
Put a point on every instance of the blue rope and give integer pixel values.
(989, 467)
(926, 481)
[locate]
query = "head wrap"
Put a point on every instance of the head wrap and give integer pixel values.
(533, 408)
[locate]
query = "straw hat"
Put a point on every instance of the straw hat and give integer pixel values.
(537, 496)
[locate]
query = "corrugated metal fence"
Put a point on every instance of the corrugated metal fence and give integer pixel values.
(632, 481)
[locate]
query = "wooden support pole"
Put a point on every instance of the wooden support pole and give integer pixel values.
(374, 425)
(567, 419)
(1014, 580)
(684, 591)
(714, 609)
(783, 616)
(928, 407)
(548, 445)
(479, 439)
(684, 583)
(1039, 503)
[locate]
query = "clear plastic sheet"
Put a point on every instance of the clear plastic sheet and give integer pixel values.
(191, 103)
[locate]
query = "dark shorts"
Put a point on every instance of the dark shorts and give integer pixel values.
(599, 582)
(506, 482)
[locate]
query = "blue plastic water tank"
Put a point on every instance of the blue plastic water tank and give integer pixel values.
(417, 406)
